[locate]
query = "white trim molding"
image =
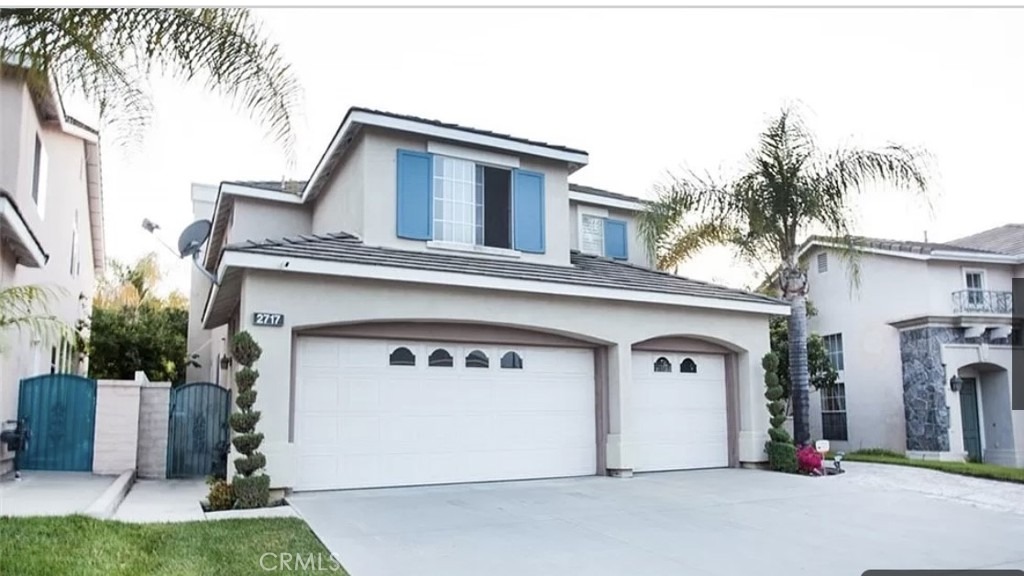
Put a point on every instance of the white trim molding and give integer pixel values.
(598, 200)
(31, 252)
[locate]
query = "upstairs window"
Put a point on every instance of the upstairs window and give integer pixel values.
(472, 203)
(461, 201)
(974, 280)
(76, 261)
(834, 349)
(602, 236)
(39, 177)
(592, 234)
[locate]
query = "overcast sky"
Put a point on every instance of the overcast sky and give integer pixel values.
(643, 91)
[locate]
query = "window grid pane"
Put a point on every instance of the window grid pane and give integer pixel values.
(455, 200)
(834, 349)
(833, 412)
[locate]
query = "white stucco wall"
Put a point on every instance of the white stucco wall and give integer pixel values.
(257, 220)
(1002, 431)
(375, 165)
(65, 199)
(944, 278)
(208, 345)
(306, 301)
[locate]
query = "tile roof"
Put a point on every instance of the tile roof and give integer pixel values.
(910, 246)
(286, 186)
(586, 270)
(606, 193)
(1005, 239)
(466, 128)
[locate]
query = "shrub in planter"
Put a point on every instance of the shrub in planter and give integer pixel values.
(221, 496)
(809, 460)
(780, 435)
(782, 456)
(251, 488)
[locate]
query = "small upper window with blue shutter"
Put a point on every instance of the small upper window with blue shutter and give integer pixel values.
(455, 200)
(615, 239)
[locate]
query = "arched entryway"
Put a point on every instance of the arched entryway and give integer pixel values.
(986, 419)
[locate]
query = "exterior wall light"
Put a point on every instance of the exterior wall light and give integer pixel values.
(955, 383)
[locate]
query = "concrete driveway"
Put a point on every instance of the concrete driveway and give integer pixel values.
(697, 522)
(44, 493)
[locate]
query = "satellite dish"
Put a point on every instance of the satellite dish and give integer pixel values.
(193, 237)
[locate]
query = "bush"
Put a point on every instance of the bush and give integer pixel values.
(245, 399)
(247, 465)
(782, 457)
(778, 421)
(247, 443)
(246, 378)
(245, 350)
(780, 435)
(221, 496)
(244, 422)
(809, 460)
(251, 491)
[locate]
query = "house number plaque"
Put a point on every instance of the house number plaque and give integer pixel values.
(267, 319)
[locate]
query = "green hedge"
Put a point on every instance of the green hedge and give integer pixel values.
(989, 471)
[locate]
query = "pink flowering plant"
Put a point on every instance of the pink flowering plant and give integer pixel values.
(809, 460)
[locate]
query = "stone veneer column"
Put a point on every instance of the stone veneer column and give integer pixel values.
(924, 381)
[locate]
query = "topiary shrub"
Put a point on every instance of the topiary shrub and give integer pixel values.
(780, 449)
(221, 496)
(782, 456)
(251, 490)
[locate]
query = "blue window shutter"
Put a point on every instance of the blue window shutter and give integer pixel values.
(528, 211)
(414, 201)
(615, 239)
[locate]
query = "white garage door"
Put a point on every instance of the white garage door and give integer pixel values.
(679, 411)
(386, 413)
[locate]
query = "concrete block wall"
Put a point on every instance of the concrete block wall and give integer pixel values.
(117, 426)
(153, 421)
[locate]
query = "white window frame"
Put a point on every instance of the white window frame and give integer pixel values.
(581, 212)
(39, 191)
(478, 207)
(832, 394)
(840, 353)
(972, 299)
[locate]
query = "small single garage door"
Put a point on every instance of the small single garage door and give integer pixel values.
(679, 411)
(384, 413)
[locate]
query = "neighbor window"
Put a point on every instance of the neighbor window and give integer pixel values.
(76, 265)
(592, 234)
(688, 366)
(440, 358)
(822, 262)
(477, 359)
(472, 203)
(975, 282)
(834, 349)
(662, 365)
(512, 360)
(39, 177)
(833, 412)
(402, 357)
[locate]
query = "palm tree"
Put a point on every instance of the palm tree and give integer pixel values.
(106, 54)
(129, 285)
(26, 309)
(789, 188)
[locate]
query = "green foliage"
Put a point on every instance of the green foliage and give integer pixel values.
(770, 362)
(776, 408)
(976, 470)
(107, 55)
(774, 392)
(877, 452)
(245, 399)
(247, 443)
(777, 421)
(780, 435)
(221, 496)
(782, 456)
(245, 378)
(247, 465)
(251, 491)
(245, 350)
(244, 421)
(25, 313)
(151, 337)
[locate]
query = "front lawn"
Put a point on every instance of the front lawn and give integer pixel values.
(79, 545)
(989, 471)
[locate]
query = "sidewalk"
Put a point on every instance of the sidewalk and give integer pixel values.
(44, 493)
(163, 501)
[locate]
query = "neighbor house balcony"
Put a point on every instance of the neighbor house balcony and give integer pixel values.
(983, 302)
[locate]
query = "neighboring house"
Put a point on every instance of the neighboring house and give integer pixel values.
(439, 304)
(921, 313)
(51, 227)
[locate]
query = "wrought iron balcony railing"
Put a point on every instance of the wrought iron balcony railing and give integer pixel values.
(982, 302)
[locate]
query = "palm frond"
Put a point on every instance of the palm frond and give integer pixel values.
(105, 54)
(26, 309)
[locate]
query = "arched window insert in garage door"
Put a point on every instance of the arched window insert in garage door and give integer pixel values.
(402, 356)
(662, 364)
(512, 360)
(477, 359)
(688, 366)
(440, 358)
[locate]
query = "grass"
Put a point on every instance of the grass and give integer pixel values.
(85, 546)
(976, 469)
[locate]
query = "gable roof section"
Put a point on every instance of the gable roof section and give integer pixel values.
(586, 270)
(909, 249)
(1005, 239)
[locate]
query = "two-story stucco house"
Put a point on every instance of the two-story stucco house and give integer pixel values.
(922, 313)
(51, 227)
(439, 304)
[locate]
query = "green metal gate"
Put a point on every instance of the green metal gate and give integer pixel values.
(59, 411)
(197, 440)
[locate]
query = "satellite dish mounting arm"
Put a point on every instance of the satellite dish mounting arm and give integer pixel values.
(204, 271)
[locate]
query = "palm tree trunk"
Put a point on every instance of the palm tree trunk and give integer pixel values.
(798, 373)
